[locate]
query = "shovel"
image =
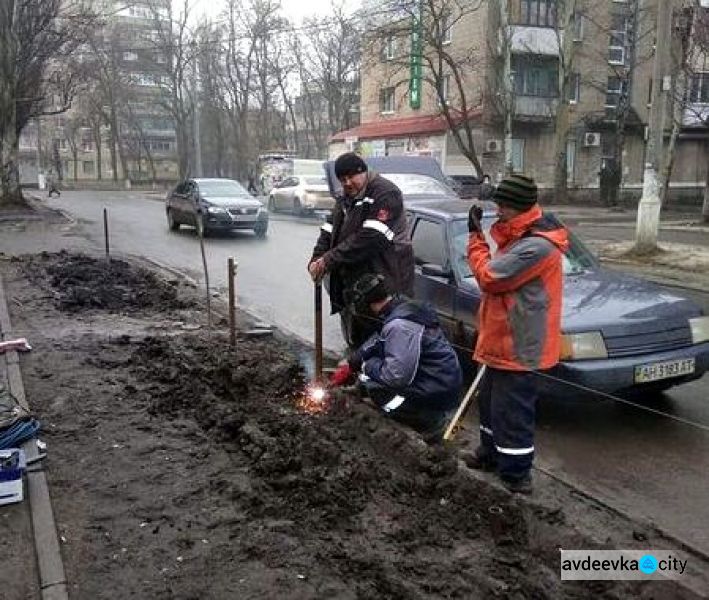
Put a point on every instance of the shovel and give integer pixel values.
(464, 404)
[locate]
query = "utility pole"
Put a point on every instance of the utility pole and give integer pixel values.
(649, 206)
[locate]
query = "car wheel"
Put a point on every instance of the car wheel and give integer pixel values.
(261, 230)
(271, 204)
(201, 230)
(171, 223)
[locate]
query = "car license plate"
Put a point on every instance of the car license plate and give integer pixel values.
(664, 370)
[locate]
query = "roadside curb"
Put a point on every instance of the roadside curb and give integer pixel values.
(52, 577)
(32, 199)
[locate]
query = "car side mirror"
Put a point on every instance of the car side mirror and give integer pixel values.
(436, 271)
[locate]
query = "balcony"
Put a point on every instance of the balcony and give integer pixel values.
(541, 41)
(696, 115)
(535, 108)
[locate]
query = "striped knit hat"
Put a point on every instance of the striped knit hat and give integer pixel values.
(516, 191)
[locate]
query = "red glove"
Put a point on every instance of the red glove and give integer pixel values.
(342, 375)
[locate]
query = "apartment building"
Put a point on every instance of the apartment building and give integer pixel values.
(509, 58)
(77, 146)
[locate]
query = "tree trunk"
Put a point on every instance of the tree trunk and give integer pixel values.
(669, 165)
(9, 142)
(96, 132)
(705, 205)
(75, 156)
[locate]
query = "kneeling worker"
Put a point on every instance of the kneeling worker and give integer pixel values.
(408, 368)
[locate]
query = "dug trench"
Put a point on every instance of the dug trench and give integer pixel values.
(180, 467)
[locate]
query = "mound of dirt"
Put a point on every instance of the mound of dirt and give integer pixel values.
(355, 505)
(81, 282)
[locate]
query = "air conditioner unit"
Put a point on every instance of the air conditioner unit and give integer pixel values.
(493, 146)
(592, 139)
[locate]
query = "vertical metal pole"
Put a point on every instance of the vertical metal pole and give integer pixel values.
(105, 233)
(318, 332)
(232, 301)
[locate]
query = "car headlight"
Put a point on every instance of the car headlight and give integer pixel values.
(700, 329)
(216, 210)
(582, 346)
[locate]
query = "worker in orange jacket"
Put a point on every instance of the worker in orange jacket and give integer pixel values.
(519, 324)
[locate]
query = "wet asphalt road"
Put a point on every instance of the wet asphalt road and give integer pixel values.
(640, 462)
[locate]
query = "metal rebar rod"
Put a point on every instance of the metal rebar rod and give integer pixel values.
(318, 332)
(232, 301)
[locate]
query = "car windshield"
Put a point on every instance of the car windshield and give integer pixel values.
(412, 184)
(577, 258)
(315, 181)
(224, 188)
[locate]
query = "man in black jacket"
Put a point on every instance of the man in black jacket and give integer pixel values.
(366, 233)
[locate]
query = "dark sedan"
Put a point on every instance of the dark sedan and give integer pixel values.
(620, 333)
(215, 204)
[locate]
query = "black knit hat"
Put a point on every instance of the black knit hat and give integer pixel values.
(516, 191)
(349, 163)
(368, 288)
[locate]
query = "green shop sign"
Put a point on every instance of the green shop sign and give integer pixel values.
(416, 60)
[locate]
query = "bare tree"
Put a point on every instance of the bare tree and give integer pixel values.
(37, 75)
(174, 42)
(447, 71)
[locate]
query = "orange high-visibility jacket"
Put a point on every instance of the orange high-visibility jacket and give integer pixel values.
(520, 312)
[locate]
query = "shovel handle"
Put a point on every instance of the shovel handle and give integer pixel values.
(464, 404)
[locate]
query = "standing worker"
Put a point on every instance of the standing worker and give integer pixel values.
(407, 366)
(519, 324)
(367, 233)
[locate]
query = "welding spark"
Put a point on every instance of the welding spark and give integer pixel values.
(313, 400)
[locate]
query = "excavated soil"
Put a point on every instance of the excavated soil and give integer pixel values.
(81, 282)
(181, 468)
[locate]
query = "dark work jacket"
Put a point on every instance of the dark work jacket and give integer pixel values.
(367, 234)
(412, 357)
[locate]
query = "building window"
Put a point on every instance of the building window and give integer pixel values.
(536, 78)
(88, 167)
(160, 58)
(444, 83)
(570, 159)
(386, 100)
(390, 47)
(699, 89)
(445, 27)
(616, 88)
(575, 88)
(518, 155)
(130, 56)
(577, 25)
(619, 39)
(540, 13)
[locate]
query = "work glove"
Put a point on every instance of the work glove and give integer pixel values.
(474, 217)
(343, 374)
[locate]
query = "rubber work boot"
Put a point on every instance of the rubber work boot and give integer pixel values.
(480, 461)
(518, 486)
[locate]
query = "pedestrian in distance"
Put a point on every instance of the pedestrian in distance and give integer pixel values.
(52, 184)
(519, 324)
(365, 233)
(407, 367)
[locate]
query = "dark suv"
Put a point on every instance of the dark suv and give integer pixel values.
(215, 204)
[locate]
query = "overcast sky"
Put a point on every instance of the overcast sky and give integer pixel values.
(295, 10)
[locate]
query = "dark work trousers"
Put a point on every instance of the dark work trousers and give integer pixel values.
(422, 419)
(507, 402)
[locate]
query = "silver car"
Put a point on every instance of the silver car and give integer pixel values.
(301, 194)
